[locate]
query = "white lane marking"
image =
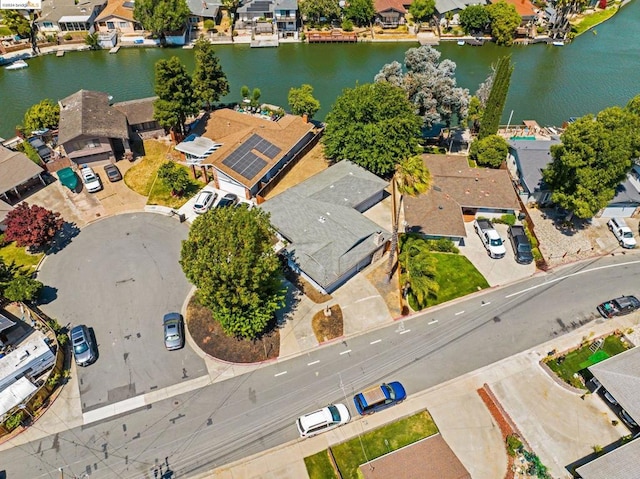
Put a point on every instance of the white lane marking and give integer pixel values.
(313, 362)
(280, 374)
(433, 322)
(459, 313)
(376, 341)
(345, 352)
(405, 331)
(367, 298)
(569, 276)
(485, 304)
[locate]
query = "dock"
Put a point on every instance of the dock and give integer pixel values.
(115, 49)
(60, 53)
(332, 37)
(268, 42)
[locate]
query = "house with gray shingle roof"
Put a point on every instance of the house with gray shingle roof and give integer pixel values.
(458, 191)
(140, 118)
(283, 12)
(91, 129)
(329, 240)
(69, 15)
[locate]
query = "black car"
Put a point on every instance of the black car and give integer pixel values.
(113, 173)
(521, 244)
(227, 200)
(84, 349)
(619, 306)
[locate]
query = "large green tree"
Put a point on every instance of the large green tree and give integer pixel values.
(229, 257)
(504, 20)
(430, 85)
(474, 18)
(373, 125)
(490, 151)
(45, 114)
(360, 12)
(422, 10)
(302, 102)
(175, 177)
(314, 10)
(161, 16)
(490, 122)
(594, 157)
(176, 99)
(209, 81)
(15, 21)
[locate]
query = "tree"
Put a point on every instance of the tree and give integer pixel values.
(209, 81)
(32, 226)
(228, 256)
(634, 105)
(474, 18)
(255, 96)
(231, 6)
(497, 98)
(504, 22)
(22, 288)
(175, 177)
(422, 10)
(490, 151)
(475, 113)
(314, 10)
(92, 41)
(45, 114)
(176, 99)
(373, 125)
(244, 92)
(430, 86)
(594, 157)
(360, 12)
(302, 102)
(17, 23)
(419, 269)
(161, 16)
(410, 178)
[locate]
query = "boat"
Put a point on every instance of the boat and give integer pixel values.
(558, 44)
(461, 42)
(17, 65)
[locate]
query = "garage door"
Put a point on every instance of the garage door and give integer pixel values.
(232, 187)
(618, 211)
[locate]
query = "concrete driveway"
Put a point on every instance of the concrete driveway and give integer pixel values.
(119, 276)
(496, 271)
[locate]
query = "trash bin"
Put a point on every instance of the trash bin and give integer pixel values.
(182, 217)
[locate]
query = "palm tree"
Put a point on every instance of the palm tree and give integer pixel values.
(418, 271)
(410, 178)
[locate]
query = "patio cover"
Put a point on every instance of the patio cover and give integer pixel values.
(5, 323)
(74, 18)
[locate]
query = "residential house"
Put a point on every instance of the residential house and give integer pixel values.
(328, 239)
(443, 7)
(244, 152)
(527, 13)
(30, 358)
(17, 174)
(391, 13)
(69, 15)
(5, 208)
(620, 463)
(118, 16)
(140, 119)
(202, 10)
(527, 159)
(283, 12)
(458, 191)
(90, 129)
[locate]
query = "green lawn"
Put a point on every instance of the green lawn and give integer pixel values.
(10, 253)
(594, 19)
(349, 455)
(565, 367)
(457, 277)
(161, 195)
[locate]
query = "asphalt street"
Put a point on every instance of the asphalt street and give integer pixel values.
(132, 262)
(226, 421)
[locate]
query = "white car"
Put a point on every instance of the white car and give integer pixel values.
(91, 181)
(325, 419)
(204, 201)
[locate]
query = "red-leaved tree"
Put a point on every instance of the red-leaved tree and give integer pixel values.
(32, 226)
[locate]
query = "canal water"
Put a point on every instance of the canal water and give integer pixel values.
(549, 83)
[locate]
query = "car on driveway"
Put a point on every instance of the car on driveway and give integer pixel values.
(628, 420)
(204, 201)
(227, 200)
(325, 419)
(173, 331)
(90, 179)
(619, 306)
(84, 349)
(379, 397)
(113, 173)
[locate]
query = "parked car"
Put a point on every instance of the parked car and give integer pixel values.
(628, 420)
(379, 397)
(521, 244)
(90, 179)
(84, 349)
(204, 201)
(622, 232)
(113, 173)
(490, 238)
(173, 331)
(325, 419)
(607, 395)
(68, 178)
(619, 306)
(227, 200)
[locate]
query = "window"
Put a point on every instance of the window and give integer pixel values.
(123, 24)
(111, 25)
(47, 25)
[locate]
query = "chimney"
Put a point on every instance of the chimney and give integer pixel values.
(378, 238)
(305, 118)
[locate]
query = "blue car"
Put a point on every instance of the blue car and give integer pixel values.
(379, 397)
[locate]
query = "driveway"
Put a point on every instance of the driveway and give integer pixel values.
(119, 276)
(496, 271)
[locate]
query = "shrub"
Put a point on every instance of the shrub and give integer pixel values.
(442, 245)
(347, 25)
(514, 445)
(14, 421)
(54, 379)
(209, 25)
(506, 220)
(62, 339)
(68, 37)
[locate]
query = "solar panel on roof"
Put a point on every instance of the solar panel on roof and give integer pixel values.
(256, 142)
(245, 163)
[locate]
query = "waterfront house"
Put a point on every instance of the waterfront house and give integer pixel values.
(320, 220)
(284, 13)
(18, 174)
(391, 13)
(455, 7)
(458, 192)
(244, 152)
(91, 130)
(140, 118)
(202, 10)
(118, 16)
(528, 16)
(69, 16)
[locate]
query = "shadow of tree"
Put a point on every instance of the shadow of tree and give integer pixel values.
(63, 238)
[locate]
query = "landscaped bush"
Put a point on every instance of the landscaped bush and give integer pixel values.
(68, 37)
(14, 421)
(209, 25)
(442, 245)
(347, 25)
(514, 445)
(506, 220)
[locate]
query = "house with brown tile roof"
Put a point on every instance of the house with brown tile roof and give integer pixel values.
(17, 174)
(524, 8)
(391, 13)
(118, 16)
(244, 152)
(458, 191)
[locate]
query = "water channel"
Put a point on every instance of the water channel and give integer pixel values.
(549, 83)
